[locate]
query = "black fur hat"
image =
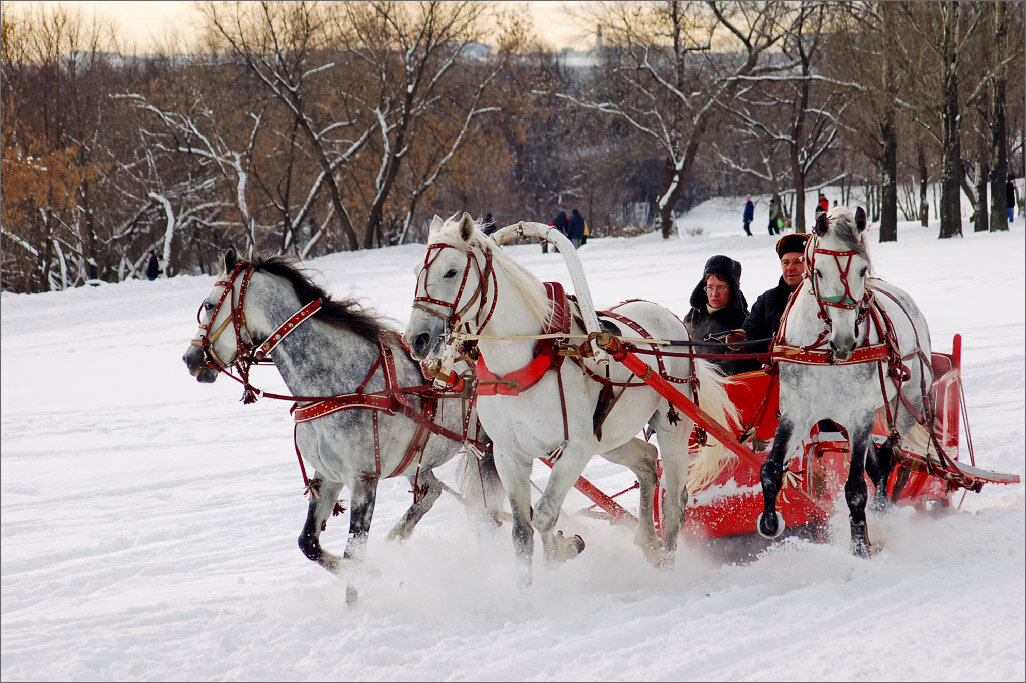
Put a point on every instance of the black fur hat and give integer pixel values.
(728, 270)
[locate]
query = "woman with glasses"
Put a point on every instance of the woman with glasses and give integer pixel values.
(718, 307)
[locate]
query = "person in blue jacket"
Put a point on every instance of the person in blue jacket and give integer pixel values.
(576, 232)
(749, 215)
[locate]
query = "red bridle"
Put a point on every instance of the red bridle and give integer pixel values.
(454, 318)
(845, 300)
(247, 353)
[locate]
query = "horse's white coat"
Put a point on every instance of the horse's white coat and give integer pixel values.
(531, 424)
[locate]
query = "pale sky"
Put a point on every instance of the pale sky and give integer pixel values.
(144, 23)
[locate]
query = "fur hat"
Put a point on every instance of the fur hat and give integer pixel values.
(794, 241)
(728, 270)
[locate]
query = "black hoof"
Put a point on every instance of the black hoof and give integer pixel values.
(770, 527)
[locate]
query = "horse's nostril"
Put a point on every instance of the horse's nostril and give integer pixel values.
(420, 343)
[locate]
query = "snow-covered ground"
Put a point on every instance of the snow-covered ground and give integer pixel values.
(149, 522)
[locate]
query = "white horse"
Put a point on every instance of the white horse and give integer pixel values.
(533, 405)
(848, 345)
(380, 418)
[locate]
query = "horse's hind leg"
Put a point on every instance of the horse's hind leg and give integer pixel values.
(323, 495)
(640, 457)
(361, 510)
(673, 447)
(421, 504)
(855, 491)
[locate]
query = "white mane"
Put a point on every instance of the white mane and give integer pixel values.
(525, 285)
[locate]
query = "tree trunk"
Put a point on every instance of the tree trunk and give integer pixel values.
(998, 139)
(924, 185)
(951, 166)
(889, 183)
(980, 217)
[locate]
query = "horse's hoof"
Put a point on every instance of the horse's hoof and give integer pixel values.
(770, 527)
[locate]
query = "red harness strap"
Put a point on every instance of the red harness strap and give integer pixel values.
(546, 356)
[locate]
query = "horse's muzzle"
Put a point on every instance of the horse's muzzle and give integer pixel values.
(197, 366)
(843, 350)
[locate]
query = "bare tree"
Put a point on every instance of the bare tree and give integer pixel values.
(673, 65)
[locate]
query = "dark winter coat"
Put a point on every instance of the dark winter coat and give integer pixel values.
(764, 319)
(749, 214)
(561, 223)
(576, 231)
(1010, 192)
(702, 324)
(152, 268)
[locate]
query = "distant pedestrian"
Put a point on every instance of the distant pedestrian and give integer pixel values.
(488, 224)
(749, 215)
(576, 231)
(774, 217)
(561, 223)
(823, 205)
(152, 266)
(1011, 191)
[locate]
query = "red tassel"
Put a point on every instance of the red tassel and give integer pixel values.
(248, 395)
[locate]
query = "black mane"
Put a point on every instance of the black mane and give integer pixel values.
(347, 313)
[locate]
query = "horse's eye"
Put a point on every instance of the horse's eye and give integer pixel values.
(208, 306)
(819, 273)
(451, 273)
(862, 273)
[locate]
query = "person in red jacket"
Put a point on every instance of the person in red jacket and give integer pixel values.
(824, 205)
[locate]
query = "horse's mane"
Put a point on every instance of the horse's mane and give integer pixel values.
(843, 229)
(346, 313)
(528, 287)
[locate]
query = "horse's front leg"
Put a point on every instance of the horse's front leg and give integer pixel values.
(855, 491)
(323, 496)
(565, 472)
(515, 475)
(771, 474)
(422, 502)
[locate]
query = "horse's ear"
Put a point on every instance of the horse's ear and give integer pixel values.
(821, 223)
(860, 219)
(436, 223)
(466, 227)
(230, 259)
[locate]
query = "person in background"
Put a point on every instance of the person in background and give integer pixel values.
(587, 231)
(576, 230)
(764, 319)
(488, 224)
(774, 217)
(749, 215)
(560, 223)
(718, 307)
(823, 205)
(1012, 194)
(152, 266)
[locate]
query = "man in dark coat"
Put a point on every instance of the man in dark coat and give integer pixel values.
(749, 215)
(764, 319)
(152, 266)
(576, 230)
(715, 313)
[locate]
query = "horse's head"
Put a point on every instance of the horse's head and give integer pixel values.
(452, 285)
(837, 265)
(216, 344)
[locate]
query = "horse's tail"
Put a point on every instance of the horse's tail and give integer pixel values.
(479, 483)
(714, 401)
